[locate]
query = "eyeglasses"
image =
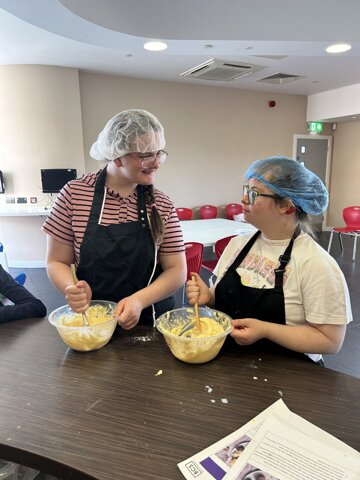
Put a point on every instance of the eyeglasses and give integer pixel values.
(148, 158)
(252, 194)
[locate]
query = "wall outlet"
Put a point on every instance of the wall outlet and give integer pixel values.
(33, 199)
(10, 200)
(21, 199)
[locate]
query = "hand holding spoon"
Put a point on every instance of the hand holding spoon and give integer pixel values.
(75, 280)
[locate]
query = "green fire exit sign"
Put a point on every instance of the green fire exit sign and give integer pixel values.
(316, 127)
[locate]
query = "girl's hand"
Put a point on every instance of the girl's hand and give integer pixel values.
(197, 291)
(248, 330)
(78, 296)
(128, 312)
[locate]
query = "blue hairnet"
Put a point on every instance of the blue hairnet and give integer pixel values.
(290, 179)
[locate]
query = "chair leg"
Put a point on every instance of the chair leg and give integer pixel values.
(354, 249)
(341, 243)
(330, 241)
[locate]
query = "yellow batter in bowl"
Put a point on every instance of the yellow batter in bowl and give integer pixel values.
(71, 329)
(194, 346)
(208, 328)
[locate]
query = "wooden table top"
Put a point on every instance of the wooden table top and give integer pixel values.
(105, 415)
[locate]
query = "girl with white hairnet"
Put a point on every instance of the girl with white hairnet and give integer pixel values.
(282, 289)
(122, 234)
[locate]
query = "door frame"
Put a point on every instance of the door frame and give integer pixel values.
(329, 138)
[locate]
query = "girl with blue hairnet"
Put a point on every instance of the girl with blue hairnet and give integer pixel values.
(282, 289)
(121, 232)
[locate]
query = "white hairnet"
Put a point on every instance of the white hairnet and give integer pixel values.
(129, 131)
(290, 179)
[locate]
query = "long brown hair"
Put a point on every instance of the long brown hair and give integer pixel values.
(156, 223)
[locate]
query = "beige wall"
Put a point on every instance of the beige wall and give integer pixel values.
(212, 133)
(51, 115)
(40, 127)
(345, 172)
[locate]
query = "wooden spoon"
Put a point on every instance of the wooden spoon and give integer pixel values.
(196, 308)
(193, 325)
(75, 280)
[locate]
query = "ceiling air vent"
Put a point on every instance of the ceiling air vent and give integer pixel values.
(280, 78)
(220, 70)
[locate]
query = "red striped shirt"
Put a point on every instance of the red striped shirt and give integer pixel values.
(70, 213)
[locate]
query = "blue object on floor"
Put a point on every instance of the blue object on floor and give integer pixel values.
(21, 278)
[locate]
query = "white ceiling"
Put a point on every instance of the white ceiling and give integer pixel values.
(108, 35)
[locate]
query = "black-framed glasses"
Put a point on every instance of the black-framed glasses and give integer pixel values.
(148, 158)
(252, 194)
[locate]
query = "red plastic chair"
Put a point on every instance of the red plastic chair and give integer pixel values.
(194, 254)
(233, 209)
(208, 211)
(351, 217)
(219, 248)
(184, 213)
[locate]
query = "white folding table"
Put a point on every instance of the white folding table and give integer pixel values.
(209, 231)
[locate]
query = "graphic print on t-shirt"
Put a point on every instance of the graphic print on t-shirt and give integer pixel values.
(258, 272)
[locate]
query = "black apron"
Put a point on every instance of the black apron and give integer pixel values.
(241, 301)
(117, 260)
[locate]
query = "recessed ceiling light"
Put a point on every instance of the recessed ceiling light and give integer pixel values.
(338, 48)
(155, 46)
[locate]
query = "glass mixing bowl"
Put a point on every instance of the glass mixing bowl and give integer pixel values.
(192, 346)
(71, 328)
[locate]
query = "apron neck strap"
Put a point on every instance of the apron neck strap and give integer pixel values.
(99, 197)
(141, 204)
(285, 258)
(245, 251)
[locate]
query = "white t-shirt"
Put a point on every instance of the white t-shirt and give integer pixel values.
(314, 287)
